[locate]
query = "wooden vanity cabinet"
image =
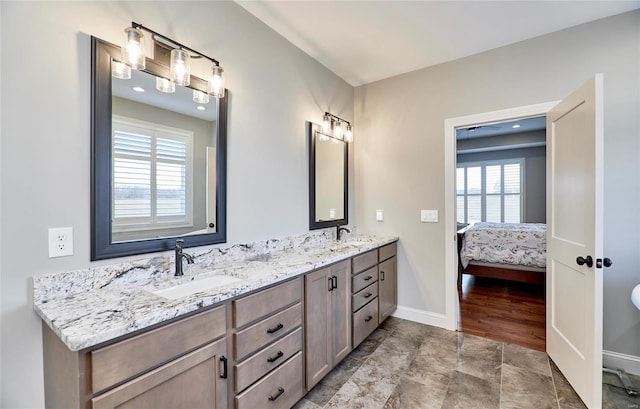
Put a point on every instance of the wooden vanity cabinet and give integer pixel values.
(387, 281)
(183, 364)
(267, 344)
(327, 319)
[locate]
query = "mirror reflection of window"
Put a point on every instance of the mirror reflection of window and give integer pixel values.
(174, 188)
(330, 168)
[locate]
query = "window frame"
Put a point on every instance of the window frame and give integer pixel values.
(483, 194)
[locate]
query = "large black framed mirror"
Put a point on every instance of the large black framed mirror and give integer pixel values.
(158, 163)
(328, 179)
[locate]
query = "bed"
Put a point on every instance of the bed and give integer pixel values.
(508, 251)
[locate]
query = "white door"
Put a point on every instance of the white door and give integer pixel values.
(574, 220)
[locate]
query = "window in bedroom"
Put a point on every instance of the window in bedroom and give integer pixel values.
(152, 176)
(490, 191)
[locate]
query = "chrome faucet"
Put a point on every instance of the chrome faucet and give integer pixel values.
(179, 256)
(339, 230)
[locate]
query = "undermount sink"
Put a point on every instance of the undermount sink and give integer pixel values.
(196, 286)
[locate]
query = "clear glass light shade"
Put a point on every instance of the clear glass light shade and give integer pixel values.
(120, 70)
(216, 83)
(322, 137)
(133, 49)
(164, 85)
(180, 67)
(348, 134)
(337, 130)
(326, 124)
(200, 97)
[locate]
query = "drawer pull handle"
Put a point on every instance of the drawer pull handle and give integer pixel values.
(277, 395)
(334, 279)
(276, 328)
(275, 357)
(331, 283)
(382, 276)
(367, 278)
(369, 318)
(367, 295)
(223, 375)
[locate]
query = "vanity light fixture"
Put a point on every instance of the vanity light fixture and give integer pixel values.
(180, 67)
(336, 128)
(180, 62)
(164, 85)
(133, 48)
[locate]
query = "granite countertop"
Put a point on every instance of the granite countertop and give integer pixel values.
(91, 306)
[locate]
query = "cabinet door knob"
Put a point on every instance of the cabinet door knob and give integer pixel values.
(276, 328)
(277, 395)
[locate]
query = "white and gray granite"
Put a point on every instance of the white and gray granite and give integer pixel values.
(91, 306)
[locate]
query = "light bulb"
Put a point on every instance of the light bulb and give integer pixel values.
(120, 70)
(133, 49)
(337, 130)
(216, 83)
(326, 124)
(164, 85)
(180, 67)
(348, 134)
(200, 97)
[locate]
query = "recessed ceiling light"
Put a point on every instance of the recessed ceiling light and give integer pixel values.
(516, 126)
(201, 108)
(138, 89)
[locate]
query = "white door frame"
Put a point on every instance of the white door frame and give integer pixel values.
(451, 256)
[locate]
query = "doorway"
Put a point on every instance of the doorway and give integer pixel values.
(501, 200)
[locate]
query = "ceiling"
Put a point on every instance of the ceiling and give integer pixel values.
(502, 128)
(366, 41)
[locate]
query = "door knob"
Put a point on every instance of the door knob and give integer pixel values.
(587, 260)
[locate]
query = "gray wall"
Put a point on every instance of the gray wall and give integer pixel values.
(400, 146)
(535, 172)
(45, 147)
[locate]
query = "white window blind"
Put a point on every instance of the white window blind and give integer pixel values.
(152, 168)
(490, 191)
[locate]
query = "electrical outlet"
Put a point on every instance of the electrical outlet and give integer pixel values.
(60, 242)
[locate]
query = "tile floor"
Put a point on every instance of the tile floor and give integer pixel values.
(408, 365)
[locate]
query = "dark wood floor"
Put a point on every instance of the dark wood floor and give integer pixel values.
(503, 310)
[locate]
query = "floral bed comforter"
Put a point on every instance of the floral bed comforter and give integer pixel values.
(522, 244)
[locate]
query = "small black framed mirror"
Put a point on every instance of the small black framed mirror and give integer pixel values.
(328, 179)
(158, 171)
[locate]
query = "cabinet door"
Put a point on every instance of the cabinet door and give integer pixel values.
(317, 325)
(387, 288)
(184, 383)
(340, 336)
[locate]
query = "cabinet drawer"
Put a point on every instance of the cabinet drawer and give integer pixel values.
(265, 302)
(364, 296)
(388, 251)
(269, 358)
(282, 388)
(364, 261)
(365, 322)
(267, 330)
(120, 361)
(364, 279)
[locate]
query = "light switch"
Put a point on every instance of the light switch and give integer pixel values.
(379, 215)
(429, 216)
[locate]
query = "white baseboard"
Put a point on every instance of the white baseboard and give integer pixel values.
(615, 360)
(423, 317)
